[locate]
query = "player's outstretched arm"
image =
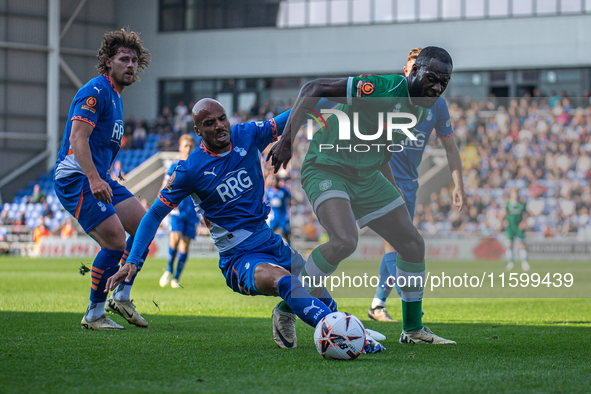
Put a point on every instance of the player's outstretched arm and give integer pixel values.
(143, 237)
(81, 131)
(455, 165)
(310, 94)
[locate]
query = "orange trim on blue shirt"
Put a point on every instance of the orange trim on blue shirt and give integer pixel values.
(274, 126)
(204, 149)
(167, 202)
(78, 117)
(445, 137)
(110, 82)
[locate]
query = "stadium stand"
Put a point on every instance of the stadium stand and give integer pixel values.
(542, 150)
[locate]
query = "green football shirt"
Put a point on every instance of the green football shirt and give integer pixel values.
(370, 99)
(515, 213)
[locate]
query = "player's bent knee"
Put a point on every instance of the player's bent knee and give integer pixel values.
(109, 234)
(343, 245)
(184, 244)
(413, 249)
(266, 277)
(116, 242)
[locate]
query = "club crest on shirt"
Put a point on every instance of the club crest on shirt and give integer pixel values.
(90, 104)
(325, 184)
(240, 150)
(170, 181)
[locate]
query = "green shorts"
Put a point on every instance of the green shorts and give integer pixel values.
(514, 231)
(371, 197)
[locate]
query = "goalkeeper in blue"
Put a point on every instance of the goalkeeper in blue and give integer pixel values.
(224, 177)
(405, 169)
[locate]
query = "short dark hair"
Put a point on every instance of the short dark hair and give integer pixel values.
(429, 53)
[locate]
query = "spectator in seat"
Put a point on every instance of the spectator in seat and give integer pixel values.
(139, 136)
(5, 219)
(47, 212)
(38, 196)
(40, 231)
(117, 171)
(68, 230)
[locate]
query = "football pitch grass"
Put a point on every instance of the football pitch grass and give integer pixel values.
(205, 338)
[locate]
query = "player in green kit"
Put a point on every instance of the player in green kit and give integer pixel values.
(346, 174)
(514, 213)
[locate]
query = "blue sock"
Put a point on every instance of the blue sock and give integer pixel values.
(387, 269)
(105, 265)
(327, 299)
(171, 257)
(181, 264)
(311, 310)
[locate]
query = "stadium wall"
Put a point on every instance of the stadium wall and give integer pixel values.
(487, 44)
(488, 248)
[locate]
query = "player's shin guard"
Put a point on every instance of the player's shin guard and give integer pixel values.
(327, 299)
(523, 254)
(105, 265)
(311, 310)
(411, 279)
(316, 270)
(171, 256)
(387, 278)
(509, 250)
(181, 264)
(324, 296)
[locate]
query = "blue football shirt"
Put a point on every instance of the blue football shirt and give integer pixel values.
(405, 164)
(228, 188)
(99, 104)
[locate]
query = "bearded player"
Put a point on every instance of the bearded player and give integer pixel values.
(105, 209)
(224, 177)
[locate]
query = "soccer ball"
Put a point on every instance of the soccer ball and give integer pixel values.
(339, 336)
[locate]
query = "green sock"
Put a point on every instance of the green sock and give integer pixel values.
(410, 293)
(412, 315)
(284, 307)
(316, 269)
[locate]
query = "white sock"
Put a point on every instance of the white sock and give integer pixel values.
(523, 255)
(315, 271)
(509, 254)
(122, 293)
(95, 310)
(377, 303)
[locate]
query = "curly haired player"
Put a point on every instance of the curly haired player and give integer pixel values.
(104, 208)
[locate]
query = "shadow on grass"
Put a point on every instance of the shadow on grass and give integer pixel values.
(50, 352)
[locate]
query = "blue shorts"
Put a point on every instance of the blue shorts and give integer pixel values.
(76, 198)
(239, 268)
(187, 227)
(409, 190)
(280, 221)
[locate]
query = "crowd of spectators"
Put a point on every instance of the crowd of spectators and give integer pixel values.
(541, 146)
(39, 212)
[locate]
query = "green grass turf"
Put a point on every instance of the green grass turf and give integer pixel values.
(205, 338)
